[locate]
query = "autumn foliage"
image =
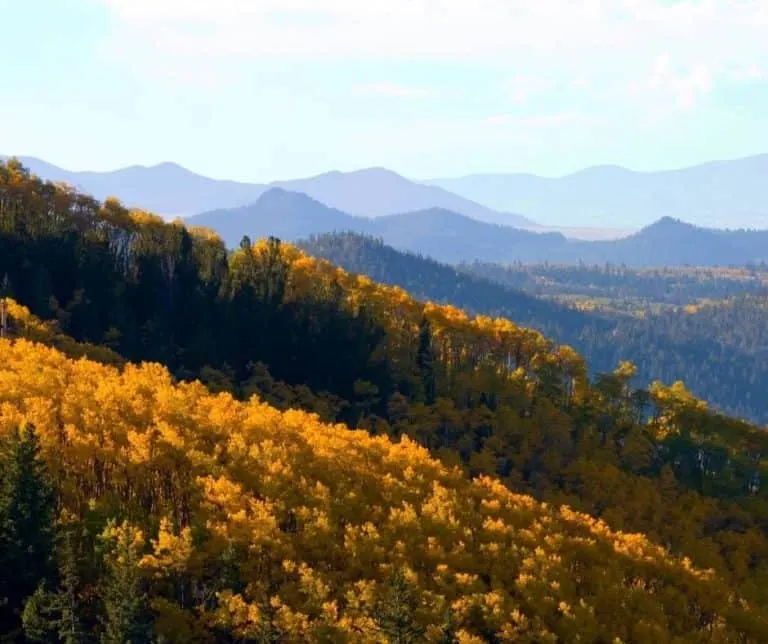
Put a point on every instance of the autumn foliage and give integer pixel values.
(492, 491)
(317, 517)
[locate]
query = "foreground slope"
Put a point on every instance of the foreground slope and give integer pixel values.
(318, 516)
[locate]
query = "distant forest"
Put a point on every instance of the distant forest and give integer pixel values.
(649, 317)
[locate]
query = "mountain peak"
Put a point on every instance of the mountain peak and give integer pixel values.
(669, 223)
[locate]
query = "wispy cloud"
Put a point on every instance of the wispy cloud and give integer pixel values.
(448, 28)
(663, 80)
(555, 44)
(536, 121)
(524, 87)
(749, 74)
(393, 90)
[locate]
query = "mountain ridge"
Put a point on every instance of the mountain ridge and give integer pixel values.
(172, 190)
(715, 193)
(452, 237)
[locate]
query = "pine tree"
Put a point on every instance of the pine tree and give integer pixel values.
(40, 618)
(268, 632)
(54, 616)
(425, 360)
(127, 619)
(448, 629)
(395, 616)
(70, 627)
(26, 526)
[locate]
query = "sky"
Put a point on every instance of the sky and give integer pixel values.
(257, 90)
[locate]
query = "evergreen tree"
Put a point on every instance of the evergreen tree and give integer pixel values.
(425, 360)
(448, 629)
(395, 616)
(40, 618)
(26, 526)
(70, 627)
(268, 632)
(127, 619)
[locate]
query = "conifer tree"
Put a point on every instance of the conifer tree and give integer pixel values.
(127, 618)
(70, 627)
(448, 629)
(425, 361)
(395, 616)
(26, 526)
(268, 631)
(40, 618)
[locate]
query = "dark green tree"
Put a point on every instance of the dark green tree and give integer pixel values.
(268, 631)
(70, 627)
(41, 617)
(448, 629)
(127, 617)
(395, 615)
(425, 360)
(26, 526)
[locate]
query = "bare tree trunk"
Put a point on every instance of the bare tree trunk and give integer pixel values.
(3, 319)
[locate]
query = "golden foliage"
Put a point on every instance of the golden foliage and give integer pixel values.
(318, 516)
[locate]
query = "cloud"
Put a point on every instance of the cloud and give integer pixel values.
(393, 90)
(749, 74)
(616, 44)
(438, 28)
(556, 119)
(523, 87)
(664, 81)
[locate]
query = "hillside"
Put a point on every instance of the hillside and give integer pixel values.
(482, 394)
(718, 194)
(320, 518)
(637, 289)
(669, 347)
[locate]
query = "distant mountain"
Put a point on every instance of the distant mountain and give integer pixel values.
(671, 242)
(167, 189)
(718, 194)
(377, 192)
(171, 190)
(452, 238)
(442, 234)
(278, 213)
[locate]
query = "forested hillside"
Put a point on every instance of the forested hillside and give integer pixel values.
(305, 511)
(716, 351)
(612, 286)
(189, 517)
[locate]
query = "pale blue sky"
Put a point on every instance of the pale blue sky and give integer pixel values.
(269, 89)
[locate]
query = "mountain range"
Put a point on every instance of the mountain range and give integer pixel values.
(720, 194)
(436, 232)
(433, 220)
(171, 190)
(452, 237)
